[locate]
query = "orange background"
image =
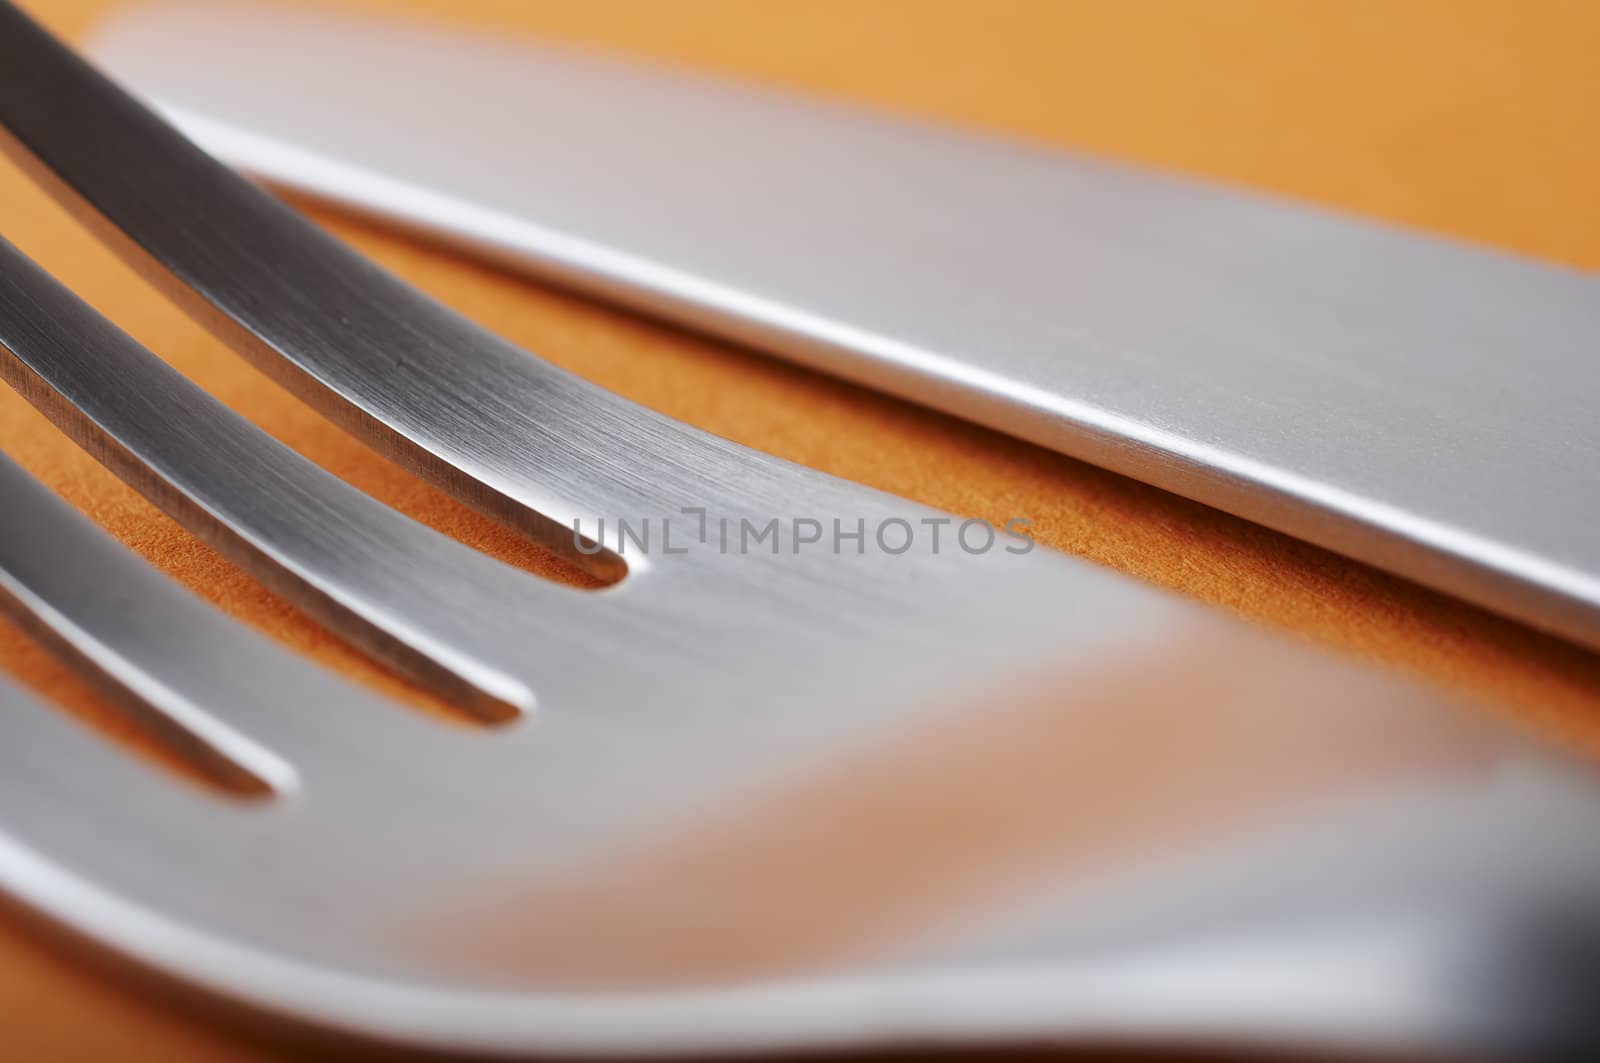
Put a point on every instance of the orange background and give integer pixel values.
(1475, 119)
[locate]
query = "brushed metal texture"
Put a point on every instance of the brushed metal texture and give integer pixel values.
(1420, 405)
(743, 800)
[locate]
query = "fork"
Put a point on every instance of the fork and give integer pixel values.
(823, 791)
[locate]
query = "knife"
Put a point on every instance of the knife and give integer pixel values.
(1421, 405)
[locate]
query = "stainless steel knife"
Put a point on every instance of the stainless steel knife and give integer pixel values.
(1421, 405)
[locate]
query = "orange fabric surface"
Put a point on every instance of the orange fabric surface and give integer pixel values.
(1472, 119)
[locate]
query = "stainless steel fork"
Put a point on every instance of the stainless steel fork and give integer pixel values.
(832, 786)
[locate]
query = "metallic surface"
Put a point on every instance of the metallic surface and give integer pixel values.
(784, 797)
(1332, 860)
(1419, 405)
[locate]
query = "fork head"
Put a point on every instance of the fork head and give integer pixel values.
(1298, 852)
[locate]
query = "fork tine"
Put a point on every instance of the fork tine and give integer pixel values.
(54, 770)
(247, 711)
(210, 469)
(92, 837)
(415, 380)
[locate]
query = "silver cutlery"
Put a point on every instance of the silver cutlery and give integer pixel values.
(818, 791)
(1420, 405)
